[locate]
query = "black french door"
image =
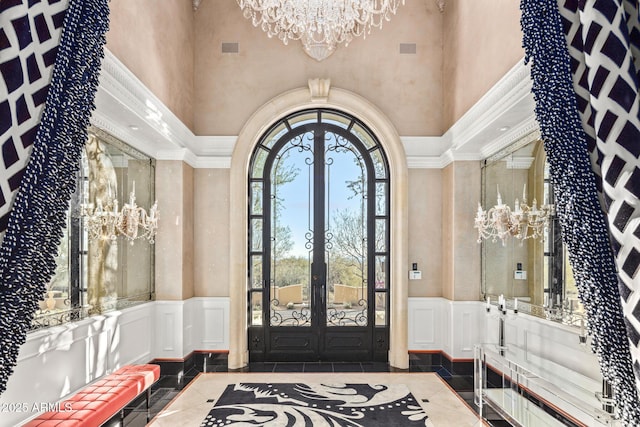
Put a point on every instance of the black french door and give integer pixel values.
(318, 242)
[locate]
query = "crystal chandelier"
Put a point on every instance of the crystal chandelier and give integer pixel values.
(106, 222)
(319, 24)
(524, 222)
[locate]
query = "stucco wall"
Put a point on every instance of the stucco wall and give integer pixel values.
(460, 251)
(174, 242)
(425, 231)
(211, 237)
(230, 87)
(482, 41)
(176, 52)
(155, 41)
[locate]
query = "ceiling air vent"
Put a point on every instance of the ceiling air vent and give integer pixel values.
(230, 48)
(408, 48)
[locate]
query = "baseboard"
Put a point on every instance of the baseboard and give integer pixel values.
(441, 358)
(201, 360)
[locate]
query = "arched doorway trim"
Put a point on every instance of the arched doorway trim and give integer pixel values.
(254, 128)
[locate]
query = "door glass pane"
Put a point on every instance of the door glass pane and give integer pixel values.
(363, 135)
(256, 271)
(291, 233)
(256, 198)
(303, 119)
(275, 135)
(259, 158)
(346, 243)
(256, 235)
(381, 272)
(381, 235)
(381, 309)
(378, 164)
(256, 308)
(336, 119)
(381, 198)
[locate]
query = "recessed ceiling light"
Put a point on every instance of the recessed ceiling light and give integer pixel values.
(503, 128)
(133, 127)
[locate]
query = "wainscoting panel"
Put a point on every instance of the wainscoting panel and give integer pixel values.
(57, 361)
(446, 327)
(211, 323)
(425, 322)
(96, 347)
(465, 329)
(169, 329)
(437, 324)
(130, 340)
(425, 335)
(190, 313)
(549, 345)
(552, 350)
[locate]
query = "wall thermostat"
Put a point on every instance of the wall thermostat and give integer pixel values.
(415, 275)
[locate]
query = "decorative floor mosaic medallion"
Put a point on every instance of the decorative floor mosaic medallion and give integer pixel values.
(316, 405)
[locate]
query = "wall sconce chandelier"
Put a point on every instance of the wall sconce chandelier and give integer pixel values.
(106, 222)
(319, 24)
(524, 222)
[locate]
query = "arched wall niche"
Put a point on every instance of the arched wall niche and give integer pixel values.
(318, 95)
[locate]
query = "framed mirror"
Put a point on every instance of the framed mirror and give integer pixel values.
(532, 265)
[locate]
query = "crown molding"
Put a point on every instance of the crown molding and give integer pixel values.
(214, 145)
(422, 162)
(513, 146)
(131, 112)
(451, 156)
(180, 154)
(528, 129)
(519, 162)
(508, 104)
(129, 108)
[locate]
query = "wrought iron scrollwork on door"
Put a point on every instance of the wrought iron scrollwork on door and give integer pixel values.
(347, 315)
(290, 314)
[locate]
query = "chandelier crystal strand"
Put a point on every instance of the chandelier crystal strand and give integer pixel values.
(106, 222)
(524, 222)
(320, 25)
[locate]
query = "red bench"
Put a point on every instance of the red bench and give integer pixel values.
(99, 401)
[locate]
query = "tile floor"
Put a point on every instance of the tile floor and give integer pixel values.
(175, 377)
(443, 406)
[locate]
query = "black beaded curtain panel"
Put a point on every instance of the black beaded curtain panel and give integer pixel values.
(50, 56)
(585, 67)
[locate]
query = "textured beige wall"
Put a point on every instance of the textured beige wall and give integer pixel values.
(482, 41)
(448, 200)
(211, 241)
(177, 54)
(461, 253)
(155, 41)
(230, 87)
(188, 196)
(425, 231)
(174, 242)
